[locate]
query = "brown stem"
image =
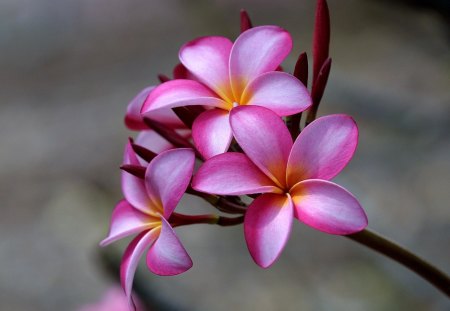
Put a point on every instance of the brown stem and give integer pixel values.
(177, 220)
(221, 203)
(396, 252)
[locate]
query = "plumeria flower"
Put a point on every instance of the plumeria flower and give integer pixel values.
(292, 177)
(229, 75)
(145, 211)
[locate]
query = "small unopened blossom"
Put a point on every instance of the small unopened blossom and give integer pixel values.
(226, 75)
(292, 177)
(145, 211)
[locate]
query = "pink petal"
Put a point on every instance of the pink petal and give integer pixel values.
(168, 176)
(211, 132)
(257, 50)
(328, 207)
(267, 227)
(176, 93)
(153, 141)
(323, 149)
(133, 119)
(207, 58)
(231, 173)
(167, 117)
(133, 188)
(279, 91)
(131, 257)
(126, 220)
(168, 256)
(264, 138)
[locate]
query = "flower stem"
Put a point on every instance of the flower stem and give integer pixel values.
(396, 252)
(177, 220)
(219, 202)
(366, 237)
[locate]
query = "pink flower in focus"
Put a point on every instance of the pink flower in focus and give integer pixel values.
(145, 211)
(112, 300)
(228, 75)
(292, 177)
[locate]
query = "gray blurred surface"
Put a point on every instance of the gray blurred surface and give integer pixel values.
(67, 71)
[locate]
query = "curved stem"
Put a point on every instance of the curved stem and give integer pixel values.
(396, 252)
(366, 237)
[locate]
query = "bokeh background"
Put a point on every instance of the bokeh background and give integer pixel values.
(69, 68)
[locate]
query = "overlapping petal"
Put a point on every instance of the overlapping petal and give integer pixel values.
(328, 207)
(207, 58)
(232, 173)
(126, 220)
(211, 132)
(280, 92)
(267, 226)
(133, 118)
(264, 138)
(153, 141)
(130, 259)
(168, 176)
(323, 149)
(176, 93)
(167, 255)
(255, 51)
(133, 188)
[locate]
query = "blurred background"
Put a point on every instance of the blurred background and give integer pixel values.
(68, 70)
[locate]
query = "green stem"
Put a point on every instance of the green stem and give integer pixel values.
(396, 252)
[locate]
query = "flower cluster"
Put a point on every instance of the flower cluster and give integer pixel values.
(232, 108)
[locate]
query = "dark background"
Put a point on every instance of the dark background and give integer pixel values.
(67, 72)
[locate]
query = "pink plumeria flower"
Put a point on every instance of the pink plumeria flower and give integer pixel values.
(292, 177)
(145, 211)
(228, 75)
